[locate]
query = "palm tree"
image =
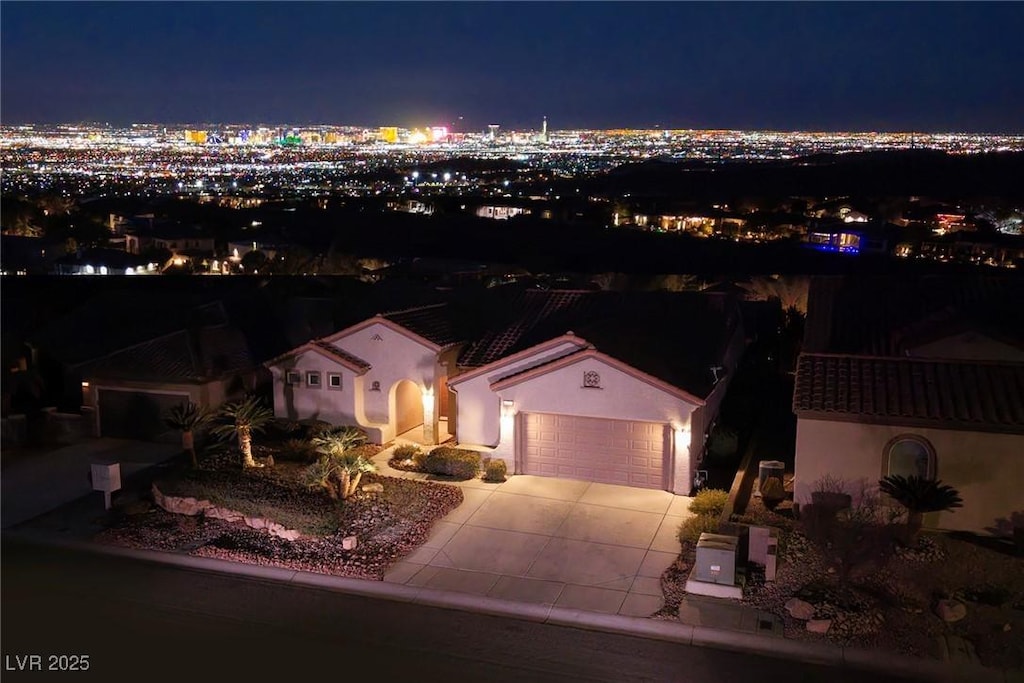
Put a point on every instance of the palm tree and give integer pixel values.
(919, 495)
(188, 418)
(242, 419)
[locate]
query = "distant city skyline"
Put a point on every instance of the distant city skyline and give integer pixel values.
(950, 67)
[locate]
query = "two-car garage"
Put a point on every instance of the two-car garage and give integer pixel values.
(135, 414)
(604, 450)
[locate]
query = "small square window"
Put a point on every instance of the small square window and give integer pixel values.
(292, 377)
(334, 380)
(375, 386)
(313, 379)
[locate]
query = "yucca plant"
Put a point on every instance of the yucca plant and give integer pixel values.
(188, 418)
(242, 419)
(919, 495)
(339, 473)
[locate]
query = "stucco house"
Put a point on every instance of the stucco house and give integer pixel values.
(129, 392)
(387, 374)
(613, 387)
(919, 378)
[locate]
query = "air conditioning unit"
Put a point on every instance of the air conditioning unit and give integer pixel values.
(716, 559)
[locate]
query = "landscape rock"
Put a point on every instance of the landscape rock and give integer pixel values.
(373, 488)
(799, 609)
(819, 625)
(950, 610)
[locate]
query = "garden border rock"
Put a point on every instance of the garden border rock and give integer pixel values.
(192, 507)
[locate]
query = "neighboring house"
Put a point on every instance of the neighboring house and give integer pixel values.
(131, 390)
(103, 262)
(916, 378)
(606, 386)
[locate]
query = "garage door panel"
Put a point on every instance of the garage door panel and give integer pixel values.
(135, 414)
(594, 449)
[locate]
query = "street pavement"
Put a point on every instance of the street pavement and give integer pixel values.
(143, 621)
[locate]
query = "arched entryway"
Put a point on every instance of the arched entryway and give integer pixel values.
(408, 406)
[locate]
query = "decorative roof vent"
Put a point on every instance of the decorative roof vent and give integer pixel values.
(376, 337)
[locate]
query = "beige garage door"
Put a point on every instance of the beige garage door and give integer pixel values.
(594, 449)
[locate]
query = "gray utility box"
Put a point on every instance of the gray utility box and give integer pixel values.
(716, 559)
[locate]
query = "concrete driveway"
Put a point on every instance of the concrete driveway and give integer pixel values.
(575, 544)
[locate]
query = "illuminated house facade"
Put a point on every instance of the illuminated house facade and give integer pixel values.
(556, 383)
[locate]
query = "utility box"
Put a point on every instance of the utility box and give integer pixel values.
(716, 559)
(770, 469)
(762, 549)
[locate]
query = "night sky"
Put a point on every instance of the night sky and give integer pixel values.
(862, 66)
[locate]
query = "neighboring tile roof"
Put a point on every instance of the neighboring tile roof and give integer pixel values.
(432, 322)
(947, 394)
(674, 336)
(184, 355)
(887, 315)
(341, 355)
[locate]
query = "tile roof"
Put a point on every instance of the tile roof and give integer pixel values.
(185, 355)
(341, 355)
(887, 315)
(432, 322)
(674, 336)
(970, 395)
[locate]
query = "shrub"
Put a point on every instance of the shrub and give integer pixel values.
(406, 452)
(453, 462)
(301, 450)
(723, 443)
(709, 502)
(691, 528)
(495, 470)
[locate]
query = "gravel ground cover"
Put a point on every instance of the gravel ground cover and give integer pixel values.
(388, 523)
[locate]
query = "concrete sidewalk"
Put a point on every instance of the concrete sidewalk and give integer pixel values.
(40, 482)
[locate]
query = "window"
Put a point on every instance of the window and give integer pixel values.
(909, 455)
(313, 378)
(591, 380)
(334, 380)
(292, 378)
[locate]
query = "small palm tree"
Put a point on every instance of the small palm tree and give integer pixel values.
(242, 419)
(919, 495)
(188, 418)
(337, 440)
(338, 473)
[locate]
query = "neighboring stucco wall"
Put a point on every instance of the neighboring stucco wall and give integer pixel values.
(986, 468)
(300, 402)
(969, 346)
(478, 408)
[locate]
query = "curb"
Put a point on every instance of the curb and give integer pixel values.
(857, 659)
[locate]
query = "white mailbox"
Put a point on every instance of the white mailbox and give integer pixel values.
(106, 477)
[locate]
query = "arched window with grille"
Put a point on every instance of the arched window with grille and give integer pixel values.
(910, 455)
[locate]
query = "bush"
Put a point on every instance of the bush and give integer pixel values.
(406, 452)
(453, 462)
(495, 470)
(691, 528)
(709, 502)
(300, 450)
(723, 442)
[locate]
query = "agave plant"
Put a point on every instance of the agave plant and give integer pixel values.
(242, 419)
(188, 418)
(919, 495)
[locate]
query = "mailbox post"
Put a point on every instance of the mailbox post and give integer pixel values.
(106, 478)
